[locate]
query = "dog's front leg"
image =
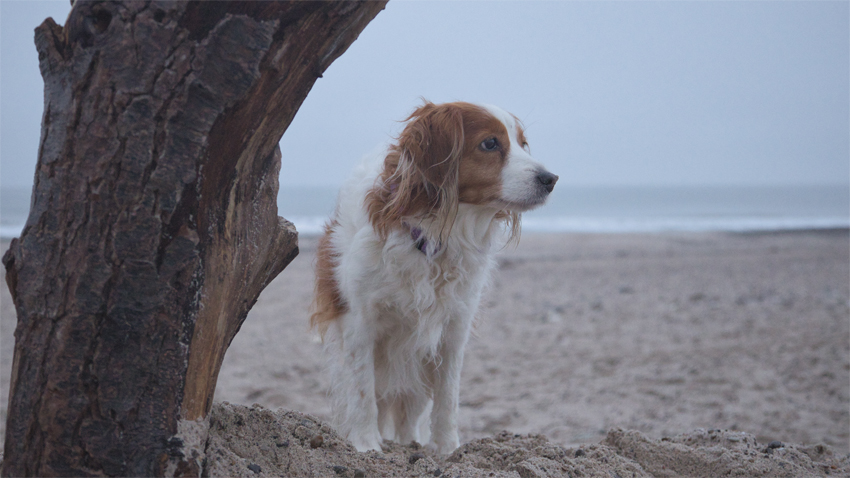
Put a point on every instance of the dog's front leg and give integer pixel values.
(361, 408)
(444, 436)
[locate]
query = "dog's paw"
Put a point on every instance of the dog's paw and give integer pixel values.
(443, 447)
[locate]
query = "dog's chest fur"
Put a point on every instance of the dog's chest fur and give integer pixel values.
(416, 297)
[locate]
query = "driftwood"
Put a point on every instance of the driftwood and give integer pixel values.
(153, 224)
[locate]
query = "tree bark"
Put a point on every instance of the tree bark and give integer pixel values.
(153, 224)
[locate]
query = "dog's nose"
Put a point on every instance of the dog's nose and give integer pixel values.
(547, 179)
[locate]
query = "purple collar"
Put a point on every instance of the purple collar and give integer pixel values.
(420, 240)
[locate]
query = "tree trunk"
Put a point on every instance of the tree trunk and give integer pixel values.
(153, 224)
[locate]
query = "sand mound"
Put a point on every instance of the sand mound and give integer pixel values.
(256, 441)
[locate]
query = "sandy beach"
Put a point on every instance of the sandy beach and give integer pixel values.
(582, 335)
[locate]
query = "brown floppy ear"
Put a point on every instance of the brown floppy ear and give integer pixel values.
(421, 172)
(433, 142)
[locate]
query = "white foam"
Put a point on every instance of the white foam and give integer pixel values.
(314, 225)
(680, 224)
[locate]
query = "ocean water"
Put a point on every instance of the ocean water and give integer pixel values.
(593, 209)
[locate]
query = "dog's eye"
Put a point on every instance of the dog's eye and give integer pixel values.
(491, 144)
(526, 147)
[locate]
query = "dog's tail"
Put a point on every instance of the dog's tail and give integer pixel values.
(328, 304)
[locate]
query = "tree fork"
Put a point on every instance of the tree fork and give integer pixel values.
(153, 224)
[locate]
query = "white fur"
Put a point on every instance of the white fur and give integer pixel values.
(520, 172)
(398, 350)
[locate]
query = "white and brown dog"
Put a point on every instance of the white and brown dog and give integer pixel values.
(403, 262)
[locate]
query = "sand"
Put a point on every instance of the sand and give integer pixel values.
(674, 354)
(256, 441)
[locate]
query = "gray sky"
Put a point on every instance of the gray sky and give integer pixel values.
(669, 93)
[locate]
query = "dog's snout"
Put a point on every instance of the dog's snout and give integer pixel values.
(547, 179)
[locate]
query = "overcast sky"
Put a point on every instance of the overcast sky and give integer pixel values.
(637, 93)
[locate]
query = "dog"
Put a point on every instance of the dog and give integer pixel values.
(403, 262)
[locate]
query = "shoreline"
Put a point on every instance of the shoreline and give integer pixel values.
(309, 227)
(778, 231)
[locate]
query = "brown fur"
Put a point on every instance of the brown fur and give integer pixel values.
(328, 304)
(436, 164)
(420, 172)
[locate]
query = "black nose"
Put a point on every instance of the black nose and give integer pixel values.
(547, 179)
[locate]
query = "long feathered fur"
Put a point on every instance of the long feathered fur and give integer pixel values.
(419, 178)
(395, 317)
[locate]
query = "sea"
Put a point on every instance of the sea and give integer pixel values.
(592, 209)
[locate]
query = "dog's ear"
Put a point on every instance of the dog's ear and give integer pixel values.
(433, 141)
(421, 171)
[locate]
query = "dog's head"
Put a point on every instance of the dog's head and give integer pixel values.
(455, 153)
